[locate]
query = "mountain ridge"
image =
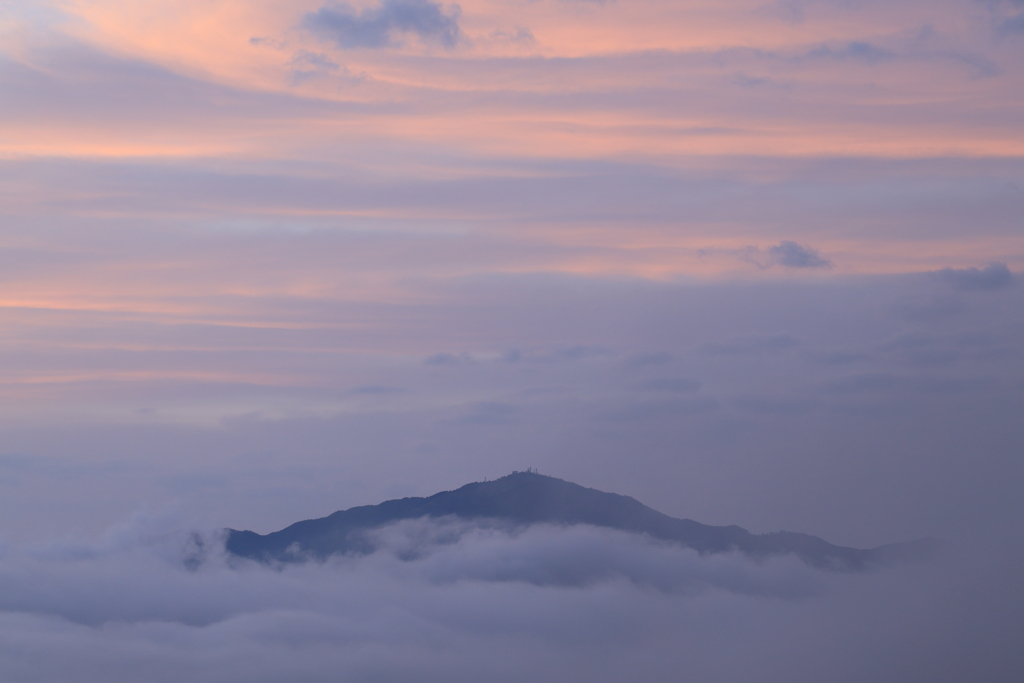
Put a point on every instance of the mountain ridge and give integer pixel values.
(525, 498)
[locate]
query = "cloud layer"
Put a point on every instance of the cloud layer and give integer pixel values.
(442, 601)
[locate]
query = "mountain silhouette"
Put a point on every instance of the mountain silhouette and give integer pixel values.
(525, 498)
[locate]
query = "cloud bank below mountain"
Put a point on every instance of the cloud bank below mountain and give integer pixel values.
(443, 601)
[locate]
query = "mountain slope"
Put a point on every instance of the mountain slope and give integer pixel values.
(525, 498)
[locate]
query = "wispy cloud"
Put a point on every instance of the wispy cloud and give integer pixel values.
(384, 25)
(754, 345)
(992, 277)
(789, 254)
(855, 50)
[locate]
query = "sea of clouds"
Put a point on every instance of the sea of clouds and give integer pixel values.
(443, 600)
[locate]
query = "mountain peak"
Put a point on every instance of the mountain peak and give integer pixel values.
(527, 498)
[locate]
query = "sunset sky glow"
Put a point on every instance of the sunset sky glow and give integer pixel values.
(752, 262)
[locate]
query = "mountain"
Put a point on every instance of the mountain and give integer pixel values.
(525, 498)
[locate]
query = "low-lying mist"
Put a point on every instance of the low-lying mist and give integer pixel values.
(443, 600)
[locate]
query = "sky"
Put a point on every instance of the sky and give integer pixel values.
(749, 262)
